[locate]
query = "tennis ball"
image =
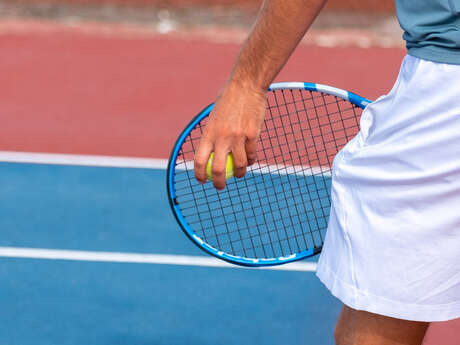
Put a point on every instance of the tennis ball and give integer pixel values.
(228, 167)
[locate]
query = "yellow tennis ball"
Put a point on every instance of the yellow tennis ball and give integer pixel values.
(228, 167)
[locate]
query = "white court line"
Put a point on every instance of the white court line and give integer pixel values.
(273, 169)
(122, 162)
(139, 162)
(86, 160)
(158, 259)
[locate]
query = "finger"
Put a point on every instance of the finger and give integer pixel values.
(201, 159)
(218, 166)
(240, 161)
(251, 150)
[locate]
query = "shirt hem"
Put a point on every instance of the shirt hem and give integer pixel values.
(439, 56)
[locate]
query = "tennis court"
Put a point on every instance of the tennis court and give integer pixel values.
(90, 252)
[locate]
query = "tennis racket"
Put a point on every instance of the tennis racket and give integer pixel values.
(278, 212)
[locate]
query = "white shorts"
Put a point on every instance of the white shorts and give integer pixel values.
(393, 242)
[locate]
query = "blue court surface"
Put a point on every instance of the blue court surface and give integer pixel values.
(125, 210)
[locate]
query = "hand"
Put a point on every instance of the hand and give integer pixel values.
(234, 126)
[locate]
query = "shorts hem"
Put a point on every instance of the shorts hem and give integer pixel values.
(362, 300)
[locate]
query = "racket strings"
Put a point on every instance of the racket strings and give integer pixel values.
(347, 135)
(312, 231)
(291, 157)
(295, 150)
(263, 214)
(282, 204)
(192, 208)
(254, 215)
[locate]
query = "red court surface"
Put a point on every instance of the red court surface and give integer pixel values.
(77, 93)
(71, 92)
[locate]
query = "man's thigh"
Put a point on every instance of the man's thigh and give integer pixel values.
(356, 327)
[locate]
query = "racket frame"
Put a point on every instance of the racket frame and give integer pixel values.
(170, 175)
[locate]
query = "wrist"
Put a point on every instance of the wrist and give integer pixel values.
(246, 84)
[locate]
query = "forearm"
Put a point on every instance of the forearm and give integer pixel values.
(280, 26)
(237, 117)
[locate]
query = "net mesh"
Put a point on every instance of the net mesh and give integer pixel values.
(282, 205)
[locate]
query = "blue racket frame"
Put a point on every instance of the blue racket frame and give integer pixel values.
(239, 260)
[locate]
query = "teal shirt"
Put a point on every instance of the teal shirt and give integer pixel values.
(431, 29)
